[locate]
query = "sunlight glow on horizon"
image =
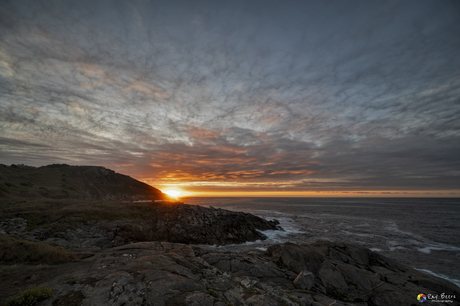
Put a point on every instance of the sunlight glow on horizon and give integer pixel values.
(172, 193)
(331, 194)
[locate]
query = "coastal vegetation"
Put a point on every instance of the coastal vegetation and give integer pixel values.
(16, 251)
(30, 296)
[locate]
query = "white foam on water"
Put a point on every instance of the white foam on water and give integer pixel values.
(452, 280)
(438, 247)
(397, 248)
(274, 235)
(267, 211)
(393, 227)
(357, 234)
(225, 246)
(423, 245)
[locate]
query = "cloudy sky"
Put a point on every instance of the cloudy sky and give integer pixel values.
(237, 97)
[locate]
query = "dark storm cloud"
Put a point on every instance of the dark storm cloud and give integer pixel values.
(304, 95)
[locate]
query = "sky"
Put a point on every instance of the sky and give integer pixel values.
(238, 98)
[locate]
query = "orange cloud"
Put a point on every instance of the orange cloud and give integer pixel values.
(124, 165)
(146, 89)
(198, 133)
(156, 165)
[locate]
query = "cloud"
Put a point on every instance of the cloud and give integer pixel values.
(259, 93)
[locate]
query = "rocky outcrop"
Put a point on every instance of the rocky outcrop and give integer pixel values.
(168, 274)
(180, 223)
(193, 224)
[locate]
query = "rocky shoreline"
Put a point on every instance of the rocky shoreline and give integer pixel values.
(181, 223)
(143, 262)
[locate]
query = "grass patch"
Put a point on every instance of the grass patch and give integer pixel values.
(15, 251)
(294, 300)
(74, 212)
(212, 292)
(31, 223)
(283, 302)
(280, 263)
(30, 296)
(349, 282)
(337, 294)
(4, 189)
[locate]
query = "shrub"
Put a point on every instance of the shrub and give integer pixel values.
(212, 292)
(14, 251)
(30, 296)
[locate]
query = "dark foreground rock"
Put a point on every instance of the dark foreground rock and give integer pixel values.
(181, 223)
(168, 274)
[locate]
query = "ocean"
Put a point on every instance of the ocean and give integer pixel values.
(423, 233)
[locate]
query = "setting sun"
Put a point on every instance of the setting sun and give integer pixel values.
(172, 193)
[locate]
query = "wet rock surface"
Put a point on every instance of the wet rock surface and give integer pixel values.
(167, 274)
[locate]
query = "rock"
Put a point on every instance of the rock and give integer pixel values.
(351, 273)
(199, 299)
(110, 235)
(200, 225)
(305, 280)
(331, 277)
(166, 274)
(261, 300)
(387, 294)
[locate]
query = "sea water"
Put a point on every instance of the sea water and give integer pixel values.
(423, 233)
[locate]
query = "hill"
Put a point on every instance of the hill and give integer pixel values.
(61, 181)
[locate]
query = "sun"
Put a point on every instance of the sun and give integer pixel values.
(172, 193)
